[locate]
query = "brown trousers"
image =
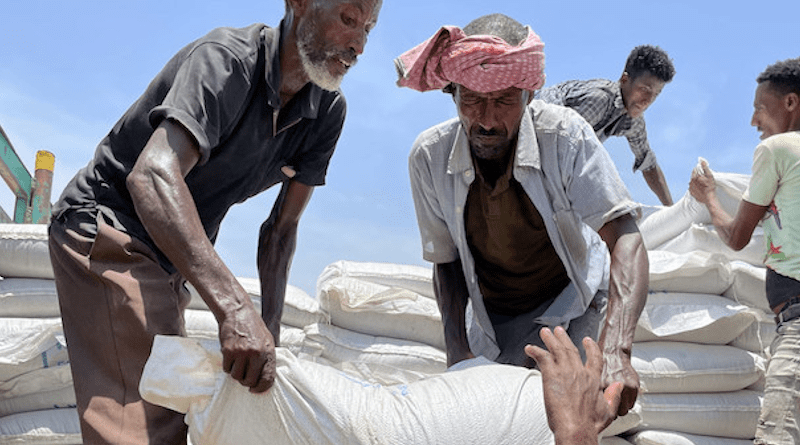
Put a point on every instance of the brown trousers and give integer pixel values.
(114, 299)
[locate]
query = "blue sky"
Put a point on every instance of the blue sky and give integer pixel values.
(68, 70)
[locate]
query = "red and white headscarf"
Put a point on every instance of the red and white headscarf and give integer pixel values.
(482, 63)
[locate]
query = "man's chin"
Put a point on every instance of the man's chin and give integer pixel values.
(325, 80)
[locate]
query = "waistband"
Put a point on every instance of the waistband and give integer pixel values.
(790, 311)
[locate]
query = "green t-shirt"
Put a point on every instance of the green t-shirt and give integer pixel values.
(776, 183)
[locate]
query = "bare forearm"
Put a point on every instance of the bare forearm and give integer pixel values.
(166, 209)
(275, 254)
(450, 288)
(658, 184)
(627, 293)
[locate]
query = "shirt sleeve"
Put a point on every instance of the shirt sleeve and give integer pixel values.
(311, 162)
(437, 243)
(207, 96)
(644, 158)
(764, 180)
(592, 104)
(594, 187)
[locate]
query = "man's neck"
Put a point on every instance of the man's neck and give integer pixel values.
(293, 75)
(492, 169)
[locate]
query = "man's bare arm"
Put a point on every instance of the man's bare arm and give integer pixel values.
(276, 245)
(734, 231)
(166, 208)
(450, 287)
(658, 184)
(627, 295)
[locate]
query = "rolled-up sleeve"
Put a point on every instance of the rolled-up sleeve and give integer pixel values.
(437, 243)
(595, 188)
(644, 158)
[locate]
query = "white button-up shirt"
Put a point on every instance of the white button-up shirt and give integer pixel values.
(568, 176)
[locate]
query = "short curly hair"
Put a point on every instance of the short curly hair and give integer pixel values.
(783, 76)
(649, 59)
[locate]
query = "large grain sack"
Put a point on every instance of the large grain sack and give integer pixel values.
(28, 298)
(299, 308)
(667, 223)
(692, 318)
(340, 345)
(749, 285)
(698, 271)
(24, 251)
(55, 355)
(705, 238)
(405, 276)
(57, 398)
(623, 424)
(757, 337)
(726, 414)
(656, 437)
(45, 427)
(382, 311)
(22, 339)
(673, 367)
(478, 402)
(40, 380)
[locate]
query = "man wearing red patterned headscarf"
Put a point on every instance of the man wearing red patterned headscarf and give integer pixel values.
(519, 205)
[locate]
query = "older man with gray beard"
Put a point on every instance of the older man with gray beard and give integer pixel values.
(229, 116)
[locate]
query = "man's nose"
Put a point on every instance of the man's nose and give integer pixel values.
(358, 42)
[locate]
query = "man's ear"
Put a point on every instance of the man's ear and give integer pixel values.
(791, 101)
(624, 78)
(299, 7)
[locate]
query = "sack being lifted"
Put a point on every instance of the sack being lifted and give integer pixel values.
(475, 402)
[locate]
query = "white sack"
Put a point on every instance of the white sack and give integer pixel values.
(672, 367)
(22, 339)
(40, 380)
(340, 345)
(669, 222)
(749, 285)
(58, 398)
(299, 308)
(318, 405)
(46, 427)
(382, 311)
(757, 337)
(705, 238)
(623, 424)
(24, 252)
(693, 318)
(28, 297)
(56, 355)
(725, 414)
(656, 437)
(405, 276)
(698, 271)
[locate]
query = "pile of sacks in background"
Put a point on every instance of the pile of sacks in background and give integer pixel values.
(701, 344)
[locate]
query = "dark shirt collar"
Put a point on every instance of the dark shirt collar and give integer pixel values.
(306, 101)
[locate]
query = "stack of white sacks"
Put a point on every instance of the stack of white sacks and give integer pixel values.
(37, 400)
(701, 344)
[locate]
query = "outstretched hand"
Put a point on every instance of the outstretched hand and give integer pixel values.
(577, 407)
